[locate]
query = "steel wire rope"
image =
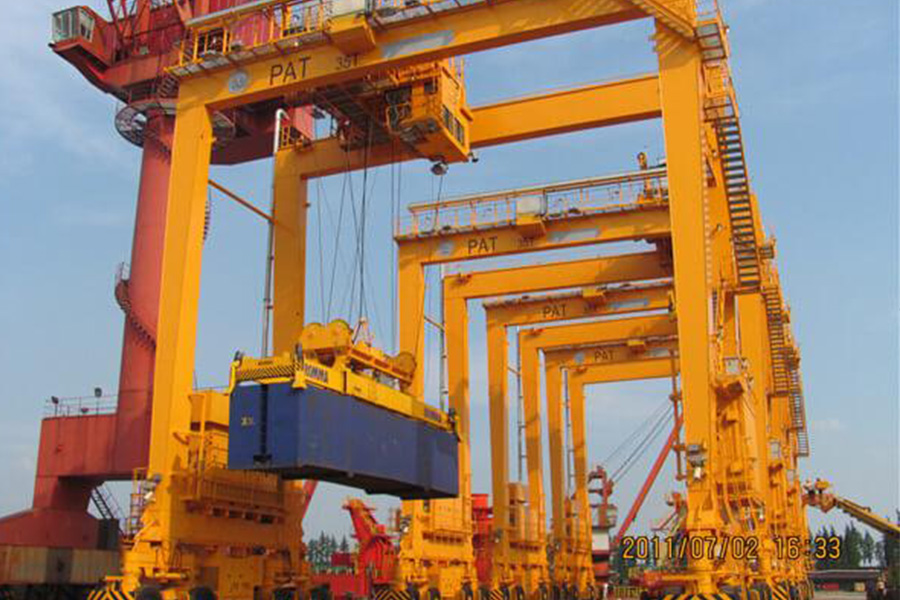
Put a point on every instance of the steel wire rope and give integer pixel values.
(393, 283)
(421, 313)
(321, 197)
(379, 324)
(642, 445)
(361, 238)
(651, 436)
(337, 241)
(635, 432)
(326, 308)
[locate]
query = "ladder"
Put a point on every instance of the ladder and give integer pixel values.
(123, 299)
(798, 410)
(777, 338)
(740, 206)
(137, 502)
(106, 504)
(720, 109)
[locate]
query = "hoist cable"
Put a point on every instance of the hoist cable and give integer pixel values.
(320, 195)
(393, 226)
(642, 446)
(651, 436)
(363, 312)
(635, 432)
(337, 241)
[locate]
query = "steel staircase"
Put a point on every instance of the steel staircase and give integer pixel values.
(785, 364)
(740, 207)
(123, 299)
(798, 408)
(778, 344)
(720, 109)
(105, 504)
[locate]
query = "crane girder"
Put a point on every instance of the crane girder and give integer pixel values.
(476, 27)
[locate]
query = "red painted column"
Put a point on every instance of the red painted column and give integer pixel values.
(79, 452)
(139, 298)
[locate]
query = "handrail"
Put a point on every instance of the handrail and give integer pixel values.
(620, 192)
(564, 186)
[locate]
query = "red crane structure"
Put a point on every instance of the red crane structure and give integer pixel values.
(375, 561)
(83, 446)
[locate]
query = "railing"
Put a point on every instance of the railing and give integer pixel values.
(250, 30)
(80, 406)
(267, 27)
(137, 501)
(707, 9)
(553, 201)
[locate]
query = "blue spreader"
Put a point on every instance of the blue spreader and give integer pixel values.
(319, 434)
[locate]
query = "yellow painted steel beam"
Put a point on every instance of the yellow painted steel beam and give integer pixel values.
(531, 117)
(531, 341)
(606, 270)
(170, 522)
(633, 370)
(289, 236)
(583, 358)
(638, 222)
(245, 203)
(680, 87)
(599, 105)
(584, 303)
(577, 379)
(436, 36)
(592, 333)
(754, 347)
(458, 289)
(179, 298)
(583, 366)
(588, 302)
(622, 268)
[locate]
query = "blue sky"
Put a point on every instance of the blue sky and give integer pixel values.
(818, 90)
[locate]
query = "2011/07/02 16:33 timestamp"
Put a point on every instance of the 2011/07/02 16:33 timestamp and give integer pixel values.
(734, 547)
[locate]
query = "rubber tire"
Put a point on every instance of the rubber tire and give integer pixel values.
(202, 592)
(148, 592)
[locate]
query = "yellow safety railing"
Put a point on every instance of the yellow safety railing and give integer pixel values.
(552, 202)
(255, 29)
(246, 33)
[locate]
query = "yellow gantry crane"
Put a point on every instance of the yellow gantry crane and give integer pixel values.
(386, 72)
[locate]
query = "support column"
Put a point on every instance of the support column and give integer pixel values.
(456, 323)
(497, 349)
(289, 287)
(531, 400)
(557, 458)
(411, 306)
(680, 88)
(582, 531)
(138, 295)
(179, 300)
(754, 347)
